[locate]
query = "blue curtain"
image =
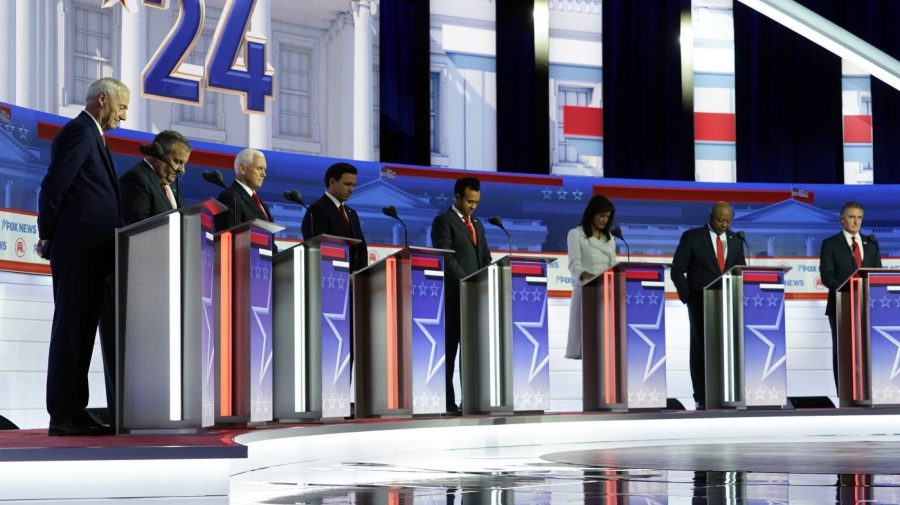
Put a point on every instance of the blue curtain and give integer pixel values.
(404, 42)
(648, 126)
(788, 103)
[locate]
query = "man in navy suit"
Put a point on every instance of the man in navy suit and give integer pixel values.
(242, 197)
(841, 255)
(147, 188)
(459, 230)
(330, 216)
(77, 220)
(702, 255)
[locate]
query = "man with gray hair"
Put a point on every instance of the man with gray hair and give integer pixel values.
(77, 220)
(241, 197)
(147, 188)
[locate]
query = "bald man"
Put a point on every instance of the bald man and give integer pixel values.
(703, 254)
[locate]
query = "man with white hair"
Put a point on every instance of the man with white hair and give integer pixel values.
(77, 220)
(241, 198)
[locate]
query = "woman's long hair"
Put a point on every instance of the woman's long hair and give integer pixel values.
(597, 205)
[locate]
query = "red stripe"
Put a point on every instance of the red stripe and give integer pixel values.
(714, 127)
(527, 269)
(26, 268)
(697, 194)
(434, 173)
(121, 145)
(425, 262)
(259, 238)
(206, 222)
(17, 211)
(582, 121)
(333, 252)
(760, 277)
(881, 280)
(858, 129)
(644, 275)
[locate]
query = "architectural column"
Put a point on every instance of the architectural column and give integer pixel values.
(770, 246)
(7, 197)
(8, 52)
(363, 132)
(133, 35)
(259, 124)
(24, 53)
(811, 246)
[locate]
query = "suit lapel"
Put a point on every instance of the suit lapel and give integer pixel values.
(461, 226)
(105, 154)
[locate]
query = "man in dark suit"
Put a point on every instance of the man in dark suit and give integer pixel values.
(330, 216)
(241, 198)
(77, 220)
(459, 230)
(841, 255)
(147, 188)
(702, 255)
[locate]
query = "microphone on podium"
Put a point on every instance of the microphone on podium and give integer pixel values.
(498, 222)
(391, 211)
(741, 235)
(617, 232)
(214, 177)
(293, 195)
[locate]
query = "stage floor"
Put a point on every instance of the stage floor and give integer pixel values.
(815, 457)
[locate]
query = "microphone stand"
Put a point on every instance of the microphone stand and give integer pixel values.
(617, 233)
(741, 235)
(498, 222)
(391, 212)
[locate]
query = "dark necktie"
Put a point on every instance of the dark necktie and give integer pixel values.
(344, 214)
(471, 230)
(857, 254)
(720, 253)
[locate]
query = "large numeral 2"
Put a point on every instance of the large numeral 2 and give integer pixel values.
(161, 75)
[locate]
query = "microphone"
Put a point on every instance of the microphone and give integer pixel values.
(498, 222)
(743, 238)
(617, 232)
(391, 211)
(154, 150)
(214, 177)
(294, 196)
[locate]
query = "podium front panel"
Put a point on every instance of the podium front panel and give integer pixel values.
(765, 372)
(428, 349)
(336, 330)
(530, 347)
(260, 326)
(207, 326)
(884, 338)
(645, 323)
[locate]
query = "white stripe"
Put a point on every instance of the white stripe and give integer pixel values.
(893, 289)
(542, 280)
(340, 264)
(299, 329)
(772, 286)
(653, 284)
(265, 252)
(209, 236)
(433, 273)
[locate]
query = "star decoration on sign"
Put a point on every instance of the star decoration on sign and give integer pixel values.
(265, 358)
(758, 329)
(885, 302)
(441, 198)
(340, 365)
(536, 364)
(561, 194)
(423, 324)
(757, 300)
(773, 301)
(638, 328)
(885, 331)
(576, 195)
(548, 193)
(23, 133)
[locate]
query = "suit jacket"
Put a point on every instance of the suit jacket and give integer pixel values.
(694, 265)
(323, 217)
(836, 263)
(143, 195)
(241, 208)
(448, 231)
(79, 201)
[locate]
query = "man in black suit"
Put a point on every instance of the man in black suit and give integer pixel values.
(328, 215)
(459, 230)
(841, 255)
(241, 197)
(703, 254)
(77, 220)
(147, 188)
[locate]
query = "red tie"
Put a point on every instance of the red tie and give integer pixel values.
(720, 253)
(857, 254)
(471, 230)
(259, 204)
(344, 214)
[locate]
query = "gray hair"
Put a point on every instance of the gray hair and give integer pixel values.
(106, 85)
(168, 139)
(246, 158)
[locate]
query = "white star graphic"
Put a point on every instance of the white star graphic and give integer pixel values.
(576, 195)
(547, 193)
(561, 193)
(422, 322)
(757, 330)
(330, 318)
(523, 327)
(650, 367)
(884, 332)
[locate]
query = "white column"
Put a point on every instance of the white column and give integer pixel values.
(363, 142)
(770, 245)
(811, 246)
(133, 57)
(259, 135)
(7, 200)
(25, 51)
(8, 52)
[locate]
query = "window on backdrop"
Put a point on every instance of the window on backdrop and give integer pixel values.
(566, 152)
(94, 49)
(294, 118)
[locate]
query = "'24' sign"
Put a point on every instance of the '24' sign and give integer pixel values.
(251, 78)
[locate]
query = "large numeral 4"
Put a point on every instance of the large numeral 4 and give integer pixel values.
(165, 75)
(250, 75)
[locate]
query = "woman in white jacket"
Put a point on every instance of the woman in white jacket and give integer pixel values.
(591, 251)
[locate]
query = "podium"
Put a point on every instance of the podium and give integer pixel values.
(244, 327)
(312, 330)
(623, 338)
(504, 355)
(164, 342)
(868, 338)
(744, 338)
(398, 305)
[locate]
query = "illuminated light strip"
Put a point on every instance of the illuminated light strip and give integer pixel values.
(493, 336)
(609, 345)
(265, 252)
(728, 347)
(175, 379)
(536, 280)
(225, 382)
(300, 400)
(855, 328)
(393, 394)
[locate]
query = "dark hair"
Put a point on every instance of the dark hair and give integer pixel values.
(338, 170)
(851, 205)
(168, 138)
(464, 183)
(598, 204)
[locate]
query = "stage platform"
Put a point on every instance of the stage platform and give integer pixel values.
(799, 456)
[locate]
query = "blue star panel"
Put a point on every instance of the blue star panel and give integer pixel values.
(427, 299)
(884, 337)
(207, 330)
(260, 326)
(531, 353)
(336, 336)
(765, 373)
(645, 299)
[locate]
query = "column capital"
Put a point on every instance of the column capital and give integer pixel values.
(357, 5)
